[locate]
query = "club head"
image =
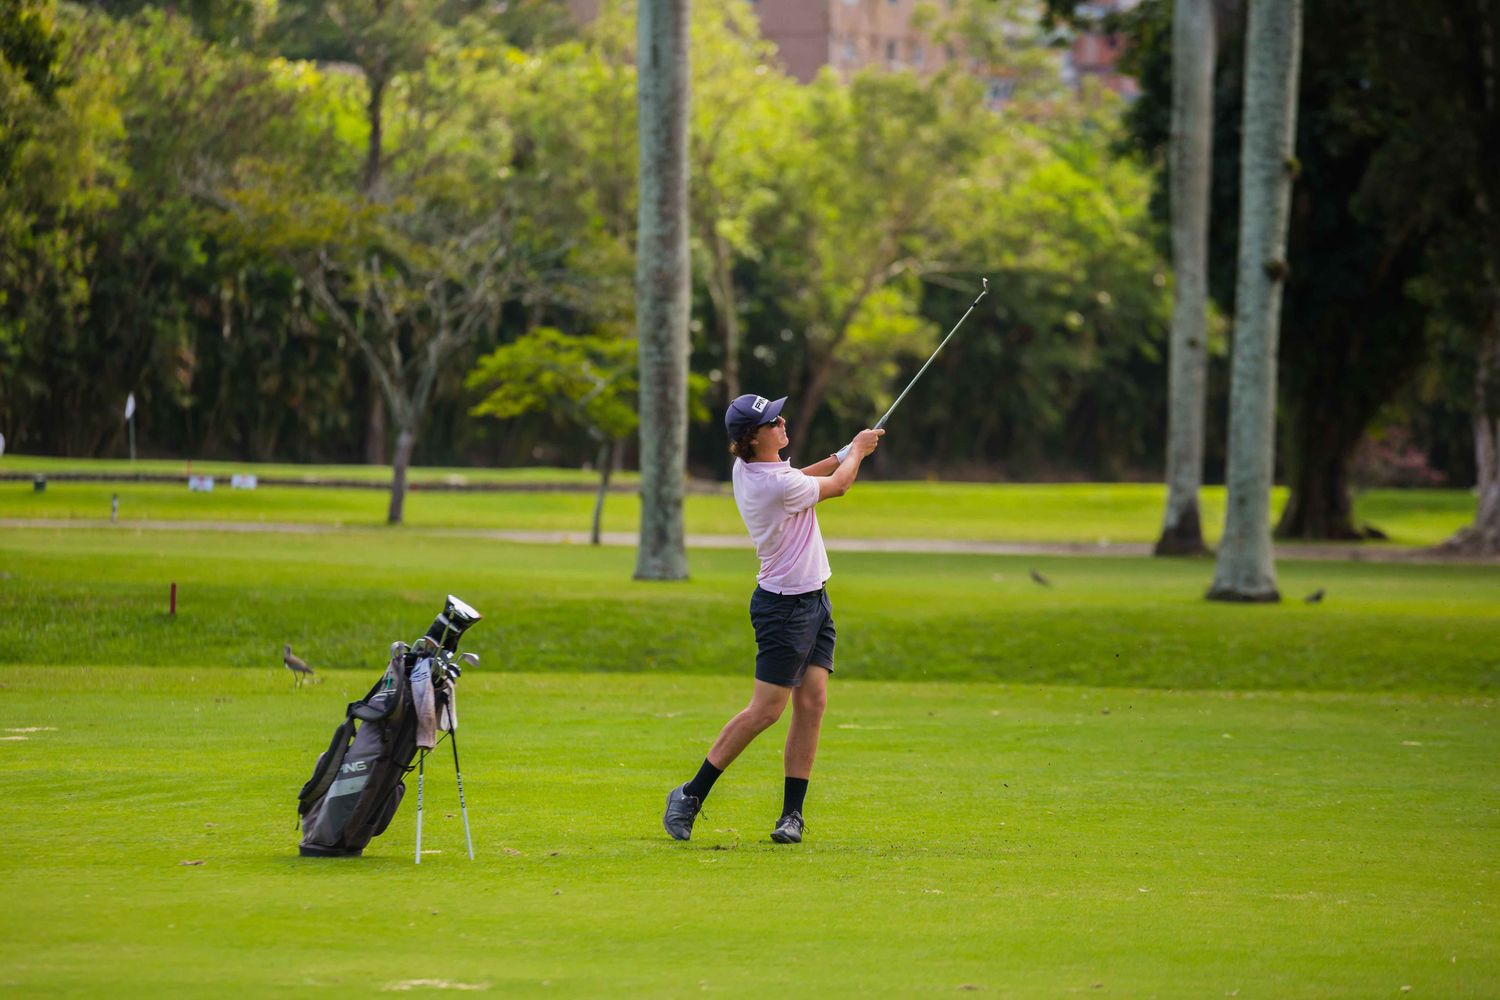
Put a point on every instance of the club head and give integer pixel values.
(449, 626)
(426, 646)
(399, 649)
(986, 283)
(470, 659)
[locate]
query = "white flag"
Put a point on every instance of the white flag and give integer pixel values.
(130, 406)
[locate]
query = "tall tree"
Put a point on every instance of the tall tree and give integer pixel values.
(411, 305)
(1355, 336)
(1246, 569)
(1194, 46)
(587, 380)
(1450, 76)
(1482, 535)
(384, 39)
(413, 272)
(662, 283)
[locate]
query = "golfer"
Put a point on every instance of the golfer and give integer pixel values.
(790, 611)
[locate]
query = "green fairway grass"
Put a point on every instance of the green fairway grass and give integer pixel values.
(1106, 786)
(1010, 840)
(999, 512)
(100, 597)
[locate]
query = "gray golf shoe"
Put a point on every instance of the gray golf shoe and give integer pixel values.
(788, 829)
(682, 809)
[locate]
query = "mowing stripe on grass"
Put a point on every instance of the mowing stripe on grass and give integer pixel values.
(100, 597)
(1087, 513)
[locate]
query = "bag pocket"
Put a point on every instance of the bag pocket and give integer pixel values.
(389, 812)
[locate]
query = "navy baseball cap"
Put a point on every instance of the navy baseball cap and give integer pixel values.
(750, 411)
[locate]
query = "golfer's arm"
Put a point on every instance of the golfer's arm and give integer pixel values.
(843, 477)
(823, 468)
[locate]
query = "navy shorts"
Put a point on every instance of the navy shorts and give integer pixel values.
(792, 632)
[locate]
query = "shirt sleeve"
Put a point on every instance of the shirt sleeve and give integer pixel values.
(801, 492)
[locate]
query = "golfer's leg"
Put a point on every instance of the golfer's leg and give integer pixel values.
(766, 705)
(808, 704)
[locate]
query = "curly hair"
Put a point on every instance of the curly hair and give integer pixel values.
(743, 447)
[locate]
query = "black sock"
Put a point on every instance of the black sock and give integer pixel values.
(703, 782)
(791, 798)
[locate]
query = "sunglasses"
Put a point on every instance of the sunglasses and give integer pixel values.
(778, 422)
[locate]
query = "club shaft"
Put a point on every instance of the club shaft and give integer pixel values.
(463, 808)
(881, 422)
(421, 760)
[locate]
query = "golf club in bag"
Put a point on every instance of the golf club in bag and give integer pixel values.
(359, 781)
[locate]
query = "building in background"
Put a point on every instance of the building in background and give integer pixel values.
(1094, 55)
(845, 34)
(850, 35)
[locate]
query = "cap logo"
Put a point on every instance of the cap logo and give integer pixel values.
(760, 404)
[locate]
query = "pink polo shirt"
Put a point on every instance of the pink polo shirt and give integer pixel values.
(777, 503)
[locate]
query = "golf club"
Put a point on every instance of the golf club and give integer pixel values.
(438, 645)
(421, 760)
(881, 422)
(463, 808)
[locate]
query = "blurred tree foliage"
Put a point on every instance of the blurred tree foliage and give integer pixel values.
(113, 279)
(587, 380)
(169, 188)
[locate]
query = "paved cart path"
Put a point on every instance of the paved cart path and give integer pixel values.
(1350, 553)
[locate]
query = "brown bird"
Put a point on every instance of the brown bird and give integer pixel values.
(295, 664)
(1314, 597)
(1039, 579)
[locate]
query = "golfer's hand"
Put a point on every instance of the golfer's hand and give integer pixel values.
(867, 441)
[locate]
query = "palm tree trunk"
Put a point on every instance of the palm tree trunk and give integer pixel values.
(1482, 537)
(1193, 51)
(662, 274)
(1486, 526)
(1246, 570)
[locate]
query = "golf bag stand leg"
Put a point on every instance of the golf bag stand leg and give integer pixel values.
(453, 738)
(421, 760)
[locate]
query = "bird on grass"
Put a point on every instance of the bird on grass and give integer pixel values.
(295, 664)
(1040, 579)
(1314, 597)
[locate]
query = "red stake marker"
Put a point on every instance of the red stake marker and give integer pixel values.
(174, 600)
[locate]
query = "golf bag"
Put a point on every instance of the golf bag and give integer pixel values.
(359, 781)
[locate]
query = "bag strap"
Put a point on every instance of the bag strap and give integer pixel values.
(361, 709)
